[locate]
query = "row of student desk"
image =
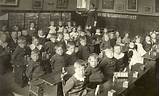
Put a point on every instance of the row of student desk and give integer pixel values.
(51, 80)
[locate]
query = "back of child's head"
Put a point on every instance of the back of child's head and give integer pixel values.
(79, 63)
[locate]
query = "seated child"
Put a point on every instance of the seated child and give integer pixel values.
(76, 84)
(74, 34)
(93, 74)
(27, 36)
(97, 41)
(126, 39)
(147, 45)
(36, 44)
(118, 39)
(66, 38)
(69, 26)
(42, 37)
(58, 60)
(34, 68)
(105, 30)
(19, 62)
(50, 45)
(112, 39)
(107, 64)
(134, 55)
(60, 27)
(52, 28)
(121, 58)
(105, 43)
(71, 55)
(83, 50)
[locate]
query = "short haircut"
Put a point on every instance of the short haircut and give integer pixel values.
(70, 43)
(79, 63)
(58, 45)
(94, 55)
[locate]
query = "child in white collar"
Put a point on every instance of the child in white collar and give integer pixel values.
(35, 44)
(52, 29)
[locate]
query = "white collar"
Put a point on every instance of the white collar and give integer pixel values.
(32, 46)
(119, 56)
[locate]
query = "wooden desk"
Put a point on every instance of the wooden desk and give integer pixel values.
(120, 91)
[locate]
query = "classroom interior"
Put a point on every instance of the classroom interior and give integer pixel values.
(79, 47)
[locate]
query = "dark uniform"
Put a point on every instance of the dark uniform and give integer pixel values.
(19, 61)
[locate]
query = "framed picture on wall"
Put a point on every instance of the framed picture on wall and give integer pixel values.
(9, 2)
(37, 4)
(132, 5)
(108, 4)
(62, 4)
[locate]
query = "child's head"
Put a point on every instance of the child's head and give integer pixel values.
(22, 42)
(74, 23)
(106, 37)
(83, 41)
(138, 39)
(59, 49)
(52, 23)
(71, 47)
(148, 39)
(117, 34)
(79, 67)
(111, 35)
(40, 32)
(117, 49)
(24, 32)
(35, 55)
(79, 28)
(32, 24)
(60, 23)
(74, 29)
(53, 38)
(59, 36)
(109, 52)
(14, 35)
(35, 41)
(93, 60)
(153, 35)
(98, 32)
(69, 23)
(126, 35)
(105, 30)
(82, 33)
(131, 45)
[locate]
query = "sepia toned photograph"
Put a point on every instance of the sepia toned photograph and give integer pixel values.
(79, 47)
